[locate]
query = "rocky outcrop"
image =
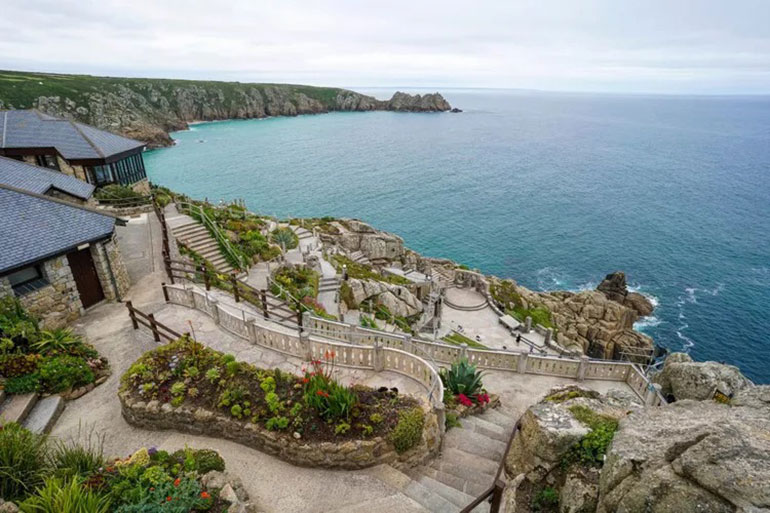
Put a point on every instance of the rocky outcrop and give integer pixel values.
(691, 456)
(614, 287)
(683, 378)
(378, 246)
(397, 299)
(147, 109)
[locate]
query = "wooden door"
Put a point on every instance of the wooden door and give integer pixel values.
(86, 279)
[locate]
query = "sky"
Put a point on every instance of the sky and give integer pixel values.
(623, 46)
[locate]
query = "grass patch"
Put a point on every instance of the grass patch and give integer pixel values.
(458, 339)
(590, 450)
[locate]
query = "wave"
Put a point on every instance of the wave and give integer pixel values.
(646, 323)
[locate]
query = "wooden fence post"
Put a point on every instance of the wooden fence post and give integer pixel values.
(205, 277)
(263, 300)
(132, 314)
(497, 496)
(234, 283)
(165, 292)
(154, 327)
(167, 265)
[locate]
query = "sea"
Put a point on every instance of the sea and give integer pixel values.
(554, 190)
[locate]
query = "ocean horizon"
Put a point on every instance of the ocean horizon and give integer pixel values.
(554, 190)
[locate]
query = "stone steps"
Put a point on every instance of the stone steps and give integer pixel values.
(360, 258)
(397, 503)
(464, 470)
(16, 407)
(302, 233)
(44, 414)
(328, 285)
(196, 237)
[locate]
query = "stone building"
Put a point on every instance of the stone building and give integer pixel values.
(87, 153)
(57, 257)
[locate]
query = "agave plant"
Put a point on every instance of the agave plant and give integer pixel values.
(285, 238)
(56, 340)
(462, 378)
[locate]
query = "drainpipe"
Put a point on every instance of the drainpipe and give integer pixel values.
(112, 275)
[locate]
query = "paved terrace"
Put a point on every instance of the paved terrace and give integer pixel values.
(276, 486)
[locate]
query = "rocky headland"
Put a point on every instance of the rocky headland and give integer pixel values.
(579, 451)
(148, 109)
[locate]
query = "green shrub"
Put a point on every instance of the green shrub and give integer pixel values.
(207, 460)
(408, 431)
(65, 372)
(285, 237)
(452, 421)
(546, 499)
(185, 497)
(120, 192)
(12, 365)
(23, 461)
(462, 378)
(68, 496)
(276, 423)
(82, 458)
(504, 293)
(331, 400)
(23, 384)
(590, 450)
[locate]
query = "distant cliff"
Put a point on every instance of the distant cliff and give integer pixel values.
(147, 109)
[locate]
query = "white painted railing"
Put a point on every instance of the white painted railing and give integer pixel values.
(361, 347)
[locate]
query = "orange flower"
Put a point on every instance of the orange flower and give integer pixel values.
(168, 499)
(205, 495)
(305, 381)
(177, 481)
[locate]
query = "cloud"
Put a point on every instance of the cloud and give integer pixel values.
(657, 45)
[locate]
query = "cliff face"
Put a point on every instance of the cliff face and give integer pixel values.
(147, 109)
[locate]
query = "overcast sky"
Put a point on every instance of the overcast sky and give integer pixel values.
(666, 46)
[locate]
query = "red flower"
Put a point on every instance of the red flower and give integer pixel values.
(205, 495)
(463, 399)
(168, 499)
(305, 381)
(322, 393)
(177, 481)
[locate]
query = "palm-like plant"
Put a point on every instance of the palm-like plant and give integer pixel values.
(56, 340)
(462, 378)
(285, 238)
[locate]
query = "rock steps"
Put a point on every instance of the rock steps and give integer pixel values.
(360, 258)
(196, 237)
(328, 285)
(466, 467)
(38, 416)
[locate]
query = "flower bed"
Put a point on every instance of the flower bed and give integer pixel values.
(464, 393)
(309, 420)
(35, 360)
(44, 475)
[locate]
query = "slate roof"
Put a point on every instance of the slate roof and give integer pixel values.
(41, 180)
(73, 140)
(35, 227)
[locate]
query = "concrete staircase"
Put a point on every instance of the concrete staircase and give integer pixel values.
(442, 276)
(328, 285)
(465, 468)
(360, 258)
(37, 415)
(302, 233)
(197, 238)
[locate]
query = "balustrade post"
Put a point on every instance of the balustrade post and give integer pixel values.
(464, 351)
(154, 328)
(582, 368)
(528, 324)
(251, 326)
(352, 331)
(652, 393)
(521, 363)
(214, 304)
(304, 341)
(379, 364)
(306, 323)
(548, 337)
(191, 297)
(408, 344)
(132, 315)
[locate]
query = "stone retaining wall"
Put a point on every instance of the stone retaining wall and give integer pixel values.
(348, 455)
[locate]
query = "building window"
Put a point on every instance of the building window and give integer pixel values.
(27, 280)
(48, 161)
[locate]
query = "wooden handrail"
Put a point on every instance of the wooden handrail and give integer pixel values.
(148, 320)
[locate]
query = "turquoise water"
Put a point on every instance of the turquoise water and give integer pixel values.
(552, 190)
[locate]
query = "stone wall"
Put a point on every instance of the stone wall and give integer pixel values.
(56, 304)
(110, 266)
(349, 455)
(71, 170)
